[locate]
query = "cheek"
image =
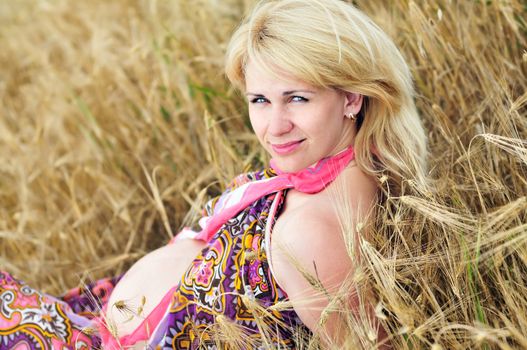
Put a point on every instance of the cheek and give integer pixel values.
(257, 124)
(334, 117)
(322, 120)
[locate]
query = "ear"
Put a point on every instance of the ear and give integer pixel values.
(353, 102)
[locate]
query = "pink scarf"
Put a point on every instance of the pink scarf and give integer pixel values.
(309, 180)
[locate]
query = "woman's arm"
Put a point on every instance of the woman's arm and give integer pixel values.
(310, 259)
(310, 263)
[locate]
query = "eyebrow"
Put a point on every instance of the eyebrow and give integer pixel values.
(285, 93)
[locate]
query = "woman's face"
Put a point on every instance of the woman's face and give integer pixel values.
(298, 124)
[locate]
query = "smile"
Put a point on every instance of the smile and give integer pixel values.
(286, 148)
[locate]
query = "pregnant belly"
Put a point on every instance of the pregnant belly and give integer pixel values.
(147, 281)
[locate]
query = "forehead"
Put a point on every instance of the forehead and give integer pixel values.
(261, 80)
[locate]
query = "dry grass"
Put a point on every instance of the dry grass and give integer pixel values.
(116, 120)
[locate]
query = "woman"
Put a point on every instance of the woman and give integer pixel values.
(330, 99)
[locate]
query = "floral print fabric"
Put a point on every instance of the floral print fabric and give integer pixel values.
(230, 283)
(33, 320)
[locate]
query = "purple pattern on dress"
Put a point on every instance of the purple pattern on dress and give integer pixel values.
(88, 300)
(33, 320)
(230, 271)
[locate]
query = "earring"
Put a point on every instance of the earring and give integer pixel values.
(351, 116)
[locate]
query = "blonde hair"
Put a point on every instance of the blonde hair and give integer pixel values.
(329, 43)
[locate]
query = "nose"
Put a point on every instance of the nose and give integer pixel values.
(279, 122)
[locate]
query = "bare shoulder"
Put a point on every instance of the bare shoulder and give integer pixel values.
(309, 240)
(310, 229)
(309, 258)
(308, 243)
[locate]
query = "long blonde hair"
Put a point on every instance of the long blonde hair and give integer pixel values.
(329, 43)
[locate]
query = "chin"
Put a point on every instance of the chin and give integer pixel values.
(289, 166)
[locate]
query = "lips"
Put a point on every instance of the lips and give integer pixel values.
(286, 148)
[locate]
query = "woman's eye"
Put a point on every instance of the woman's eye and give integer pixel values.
(258, 100)
(298, 99)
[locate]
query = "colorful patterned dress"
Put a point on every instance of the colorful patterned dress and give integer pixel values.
(33, 320)
(215, 303)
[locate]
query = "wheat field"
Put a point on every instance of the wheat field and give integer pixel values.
(117, 123)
